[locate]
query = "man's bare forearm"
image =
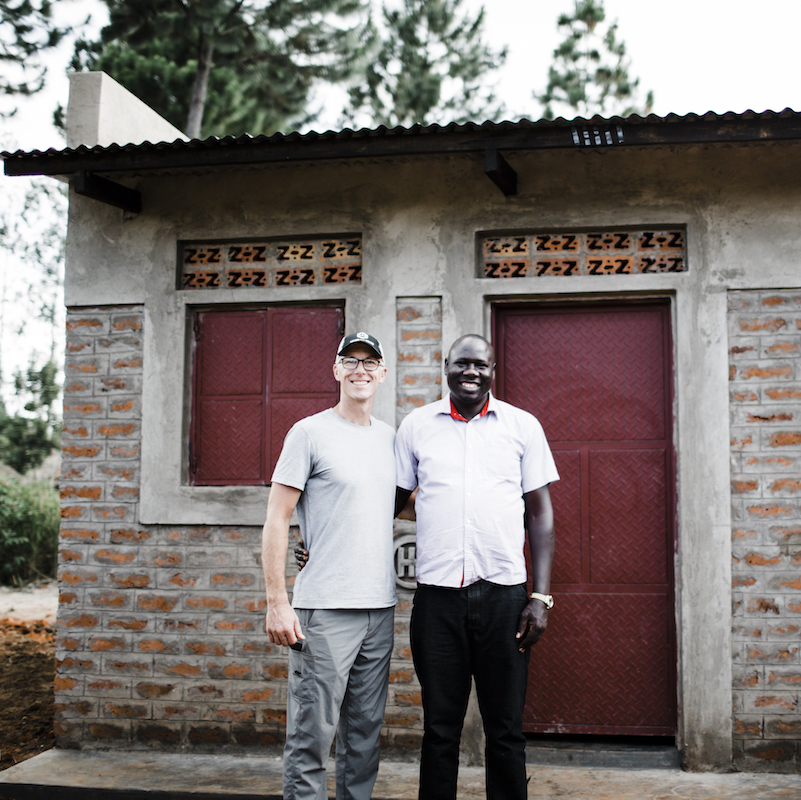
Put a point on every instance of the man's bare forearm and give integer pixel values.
(274, 544)
(281, 622)
(541, 539)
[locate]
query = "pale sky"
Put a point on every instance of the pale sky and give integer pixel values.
(696, 56)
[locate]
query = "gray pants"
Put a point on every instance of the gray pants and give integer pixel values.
(337, 685)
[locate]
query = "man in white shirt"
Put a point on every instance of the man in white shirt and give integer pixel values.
(482, 469)
(338, 468)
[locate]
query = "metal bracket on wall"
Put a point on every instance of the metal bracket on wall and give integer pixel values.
(114, 194)
(498, 170)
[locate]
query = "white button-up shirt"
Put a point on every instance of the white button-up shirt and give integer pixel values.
(471, 477)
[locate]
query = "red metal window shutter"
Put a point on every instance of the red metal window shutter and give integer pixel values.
(255, 373)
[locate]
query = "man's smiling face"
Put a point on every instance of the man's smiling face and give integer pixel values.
(470, 370)
(358, 384)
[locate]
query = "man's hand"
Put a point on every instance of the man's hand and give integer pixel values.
(282, 625)
(533, 621)
(301, 555)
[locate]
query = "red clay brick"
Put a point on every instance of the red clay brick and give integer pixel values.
(205, 648)
(107, 644)
(184, 670)
(155, 646)
(131, 363)
(758, 560)
(74, 664)
(785, 484)
(91, 324)
(128, 624)
(114, 557)
(128, 536)
(153, 690)
(84, 534)
(130, 581)
(77, 578)
(771, 324)
(766, 372)
(103, 686)
(156, 602)
(788, 393)
(275, 671)
(232, 715)
(81, 452)
(206, 602)
(787, 439)
(116, 431)
(256, 695)
(106, 732)
(109, 599)
(125, 711)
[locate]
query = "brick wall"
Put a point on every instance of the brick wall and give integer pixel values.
(419, 355)
(160, 628)
(418, 367)
(765, 406)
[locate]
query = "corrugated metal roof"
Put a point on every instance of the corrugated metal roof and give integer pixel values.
(525, 134)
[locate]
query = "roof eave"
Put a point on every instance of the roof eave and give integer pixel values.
(578, 134)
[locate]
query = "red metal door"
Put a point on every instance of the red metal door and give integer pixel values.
(598, 378)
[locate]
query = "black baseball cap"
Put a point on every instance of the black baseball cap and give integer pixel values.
(361, 338)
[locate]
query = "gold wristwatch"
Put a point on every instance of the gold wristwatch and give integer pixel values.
(546, 598)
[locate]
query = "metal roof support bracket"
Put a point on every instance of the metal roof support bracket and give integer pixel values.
(114, 194)
(497, 169)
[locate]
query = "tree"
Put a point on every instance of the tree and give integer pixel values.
(26, 30)
(431, 67)
(225, 66)
(32, 234)
(26, 439)
(590, 73)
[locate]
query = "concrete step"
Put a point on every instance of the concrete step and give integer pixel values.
(606, 754)
(120, 775)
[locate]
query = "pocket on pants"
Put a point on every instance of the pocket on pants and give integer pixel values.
(300, 681)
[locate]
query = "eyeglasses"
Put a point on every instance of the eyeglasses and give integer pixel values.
(370, 364)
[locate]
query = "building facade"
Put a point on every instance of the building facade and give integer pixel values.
(641, 282)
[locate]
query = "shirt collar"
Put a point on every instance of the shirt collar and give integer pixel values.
(449, 408)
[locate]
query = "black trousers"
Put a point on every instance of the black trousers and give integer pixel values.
(456, 633)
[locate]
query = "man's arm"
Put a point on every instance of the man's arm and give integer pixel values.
(539, 525)
(403, 508)
(281, 623)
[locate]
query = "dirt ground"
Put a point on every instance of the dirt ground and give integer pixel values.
(27, 670)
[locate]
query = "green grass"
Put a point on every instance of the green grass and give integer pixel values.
(29, 523)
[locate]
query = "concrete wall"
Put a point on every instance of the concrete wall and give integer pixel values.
(101, 112)
(419, 219)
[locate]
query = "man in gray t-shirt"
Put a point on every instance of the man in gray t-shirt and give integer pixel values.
(338, 469)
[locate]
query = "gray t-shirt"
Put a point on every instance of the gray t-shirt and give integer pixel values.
(347, 475)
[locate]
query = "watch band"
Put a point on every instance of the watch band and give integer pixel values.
(546, 598)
